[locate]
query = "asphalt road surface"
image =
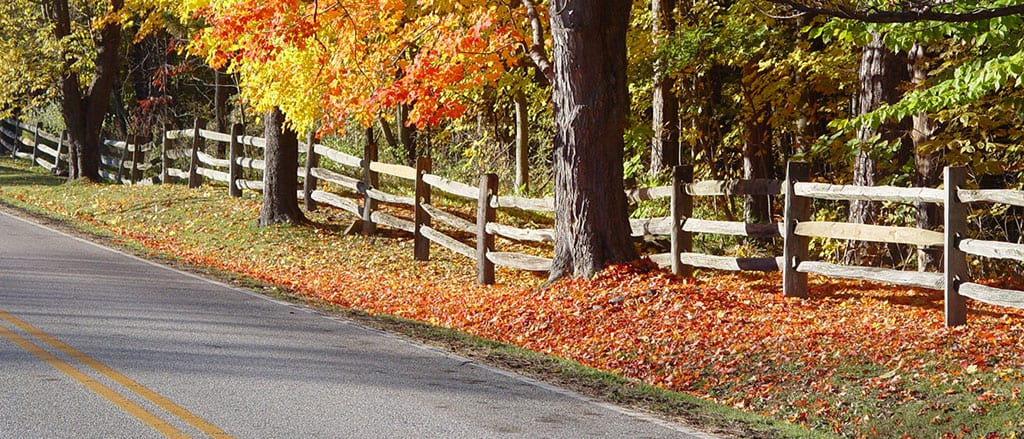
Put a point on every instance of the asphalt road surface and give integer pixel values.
(98, 344)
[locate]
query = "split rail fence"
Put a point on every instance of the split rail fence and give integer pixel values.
(120, 161)
(474, 238)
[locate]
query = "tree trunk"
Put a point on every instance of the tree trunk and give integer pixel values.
(280, 184)
(84, 111)
(406, 134)
(881, 73)
(928, 163)
(522, 142)
(590, 100)
(220, 106)
(665, 105)
(757, 147)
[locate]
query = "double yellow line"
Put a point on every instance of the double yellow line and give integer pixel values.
(108, 393)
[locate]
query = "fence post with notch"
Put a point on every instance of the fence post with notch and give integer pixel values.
(682, 209)
(312, 161)
(485, 214)
(35, 143)
(235, 155)
(370, 181)
(795, 248)
(194, 179)
(954, 259)
(421, 245)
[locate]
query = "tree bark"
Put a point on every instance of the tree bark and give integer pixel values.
(665, 105)
(757, 147)
(84, 110)
(406, 133)
(280, 184)
(522, 142)
(221, 93)
(881, 73)
(590, 101)
(928, 164)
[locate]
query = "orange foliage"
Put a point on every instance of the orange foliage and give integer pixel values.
(356, 59)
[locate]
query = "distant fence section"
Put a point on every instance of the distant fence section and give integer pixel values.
(32, 143)
(120, 161)
(353, 184)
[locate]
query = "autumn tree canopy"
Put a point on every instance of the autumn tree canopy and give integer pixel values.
(757, 83)
(324, 65)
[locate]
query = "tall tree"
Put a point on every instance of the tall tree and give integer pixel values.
(84, 108)
(280, 187)
(590, 103)
(758, 160)
(881, 74)
(928, 163)
(68, 52)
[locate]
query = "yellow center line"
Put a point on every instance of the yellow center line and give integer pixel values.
(127, 406)
(143, 391)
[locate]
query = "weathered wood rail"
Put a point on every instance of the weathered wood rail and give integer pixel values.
(953, 279)
(475, 238)
(122, 162)
(47, 150)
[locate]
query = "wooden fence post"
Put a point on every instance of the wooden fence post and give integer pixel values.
(136, 158)
(370, 181)
(955, 260)
(234, 155)
(421, 245)
(309, 183)
(194, 179)
(485, 241)
(682, 209)
(795, 248)
(121, 171)
(16, 129)
(35, 140)
(120, 165)
(60, 151)
(165, 162)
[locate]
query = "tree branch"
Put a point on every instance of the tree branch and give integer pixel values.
(536, 51)
(918, 11)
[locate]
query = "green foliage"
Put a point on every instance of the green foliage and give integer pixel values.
(972, 92)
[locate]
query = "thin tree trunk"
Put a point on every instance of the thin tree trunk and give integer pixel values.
(280, 184)
(406, 134)
(665, 105)
(928, 163)
(522, 143)
(590, 101)
(757, 147)
(220, 105)
(881, 73)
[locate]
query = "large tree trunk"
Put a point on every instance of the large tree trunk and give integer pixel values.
(590, 100)
(280, 184)
(84, 111)
(881, 73)
(665, 105)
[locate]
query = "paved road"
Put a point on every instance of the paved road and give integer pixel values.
(95, 343)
